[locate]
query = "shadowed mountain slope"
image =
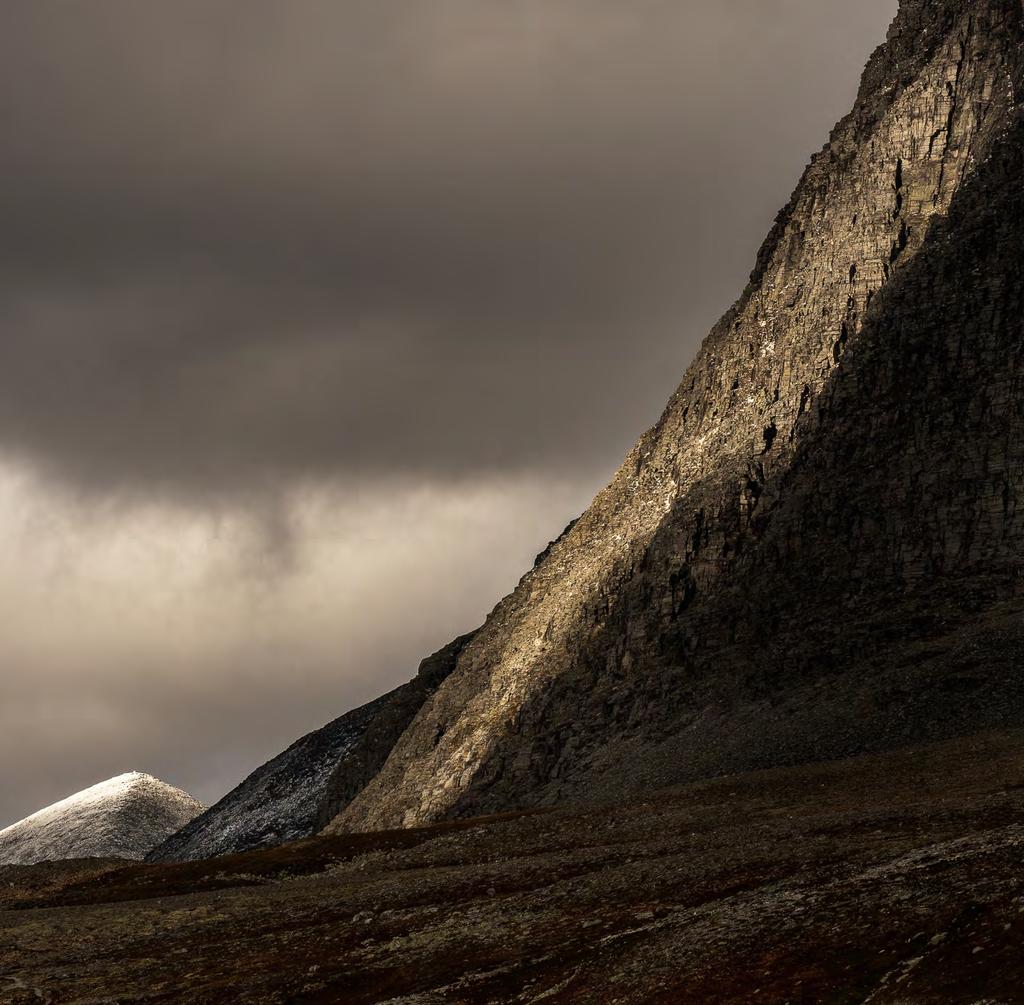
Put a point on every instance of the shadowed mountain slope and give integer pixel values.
(817, 550)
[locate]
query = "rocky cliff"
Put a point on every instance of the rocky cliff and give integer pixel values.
(818, 548)
(123, 817)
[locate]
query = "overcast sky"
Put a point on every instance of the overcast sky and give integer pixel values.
(319, 318)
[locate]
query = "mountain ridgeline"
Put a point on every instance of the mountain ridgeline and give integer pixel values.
(818, 549)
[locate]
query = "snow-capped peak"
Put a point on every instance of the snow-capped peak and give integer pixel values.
(122, 817)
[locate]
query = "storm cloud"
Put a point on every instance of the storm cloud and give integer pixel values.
(318, 319)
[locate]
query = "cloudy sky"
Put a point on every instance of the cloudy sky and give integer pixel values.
(319, 318)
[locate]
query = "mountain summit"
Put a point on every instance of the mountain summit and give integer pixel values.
(123, 817)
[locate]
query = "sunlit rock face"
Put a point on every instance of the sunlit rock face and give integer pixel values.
(123, 817)
(818, 548)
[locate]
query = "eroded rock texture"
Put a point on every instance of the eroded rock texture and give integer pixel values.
(302, 789)
(818, 548)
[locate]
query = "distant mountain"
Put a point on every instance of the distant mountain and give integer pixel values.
(123, 817)
(298, 792)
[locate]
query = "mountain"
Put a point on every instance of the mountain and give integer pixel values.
(816, 552)
(123, 817)
(819, 549)
(300, 791)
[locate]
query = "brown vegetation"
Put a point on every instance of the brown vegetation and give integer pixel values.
(888, 878)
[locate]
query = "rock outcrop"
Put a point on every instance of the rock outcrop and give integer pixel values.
(302, 789)
(818, 550)
(123, 817)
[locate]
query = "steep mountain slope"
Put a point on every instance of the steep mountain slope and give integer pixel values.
(299, 791)
(818, 548)
(123, 817)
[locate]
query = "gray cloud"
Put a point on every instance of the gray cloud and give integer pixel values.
(257, 240)
(176, 642)
(320, 317)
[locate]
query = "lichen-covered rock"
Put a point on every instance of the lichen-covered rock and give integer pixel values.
(818, 549)
(123, 817)
(302, 789)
